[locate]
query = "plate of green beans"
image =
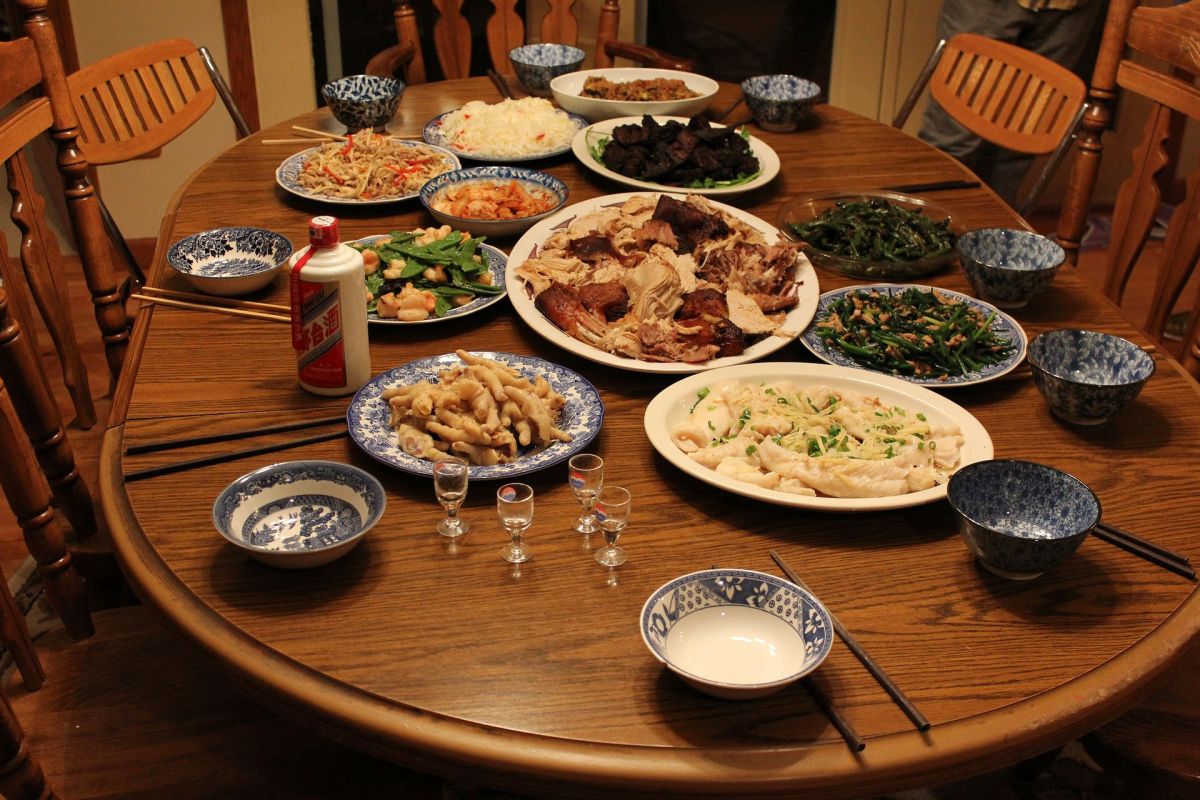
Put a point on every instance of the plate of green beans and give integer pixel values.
(931, 337)
(881, 235)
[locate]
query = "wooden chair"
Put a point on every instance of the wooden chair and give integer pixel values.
(32, 62)
(505, 30)
(1006, 95)
(130, 105)
(1169, 35)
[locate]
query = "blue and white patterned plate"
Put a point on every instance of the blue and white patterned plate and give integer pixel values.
(288, 177)
(433, 134)
(1003, 325)
(368, 417)
(496, 264)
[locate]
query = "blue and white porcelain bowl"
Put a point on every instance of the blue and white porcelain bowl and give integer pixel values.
(736, 633)
(538, 64)
(1087, 376)
(299, 514)
(529, 179)
(230, 261)
(779, 102)
(1007, 266)
(1020, 518)
(363, 101)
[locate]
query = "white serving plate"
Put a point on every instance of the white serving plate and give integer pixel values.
(566, 89)
(796, 321)
(672, 405)
(768, 159)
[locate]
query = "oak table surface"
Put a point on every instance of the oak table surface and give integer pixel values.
(440, 655)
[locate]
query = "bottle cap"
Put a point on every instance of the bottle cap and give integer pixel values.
(323, 231)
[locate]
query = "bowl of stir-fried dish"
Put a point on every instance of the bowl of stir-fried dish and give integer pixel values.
(599, 94)
(494, 201)
(873, 234)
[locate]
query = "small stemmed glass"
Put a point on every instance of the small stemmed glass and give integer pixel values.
(585, 476)
(612, 508)
(514, 505)
(450, 478)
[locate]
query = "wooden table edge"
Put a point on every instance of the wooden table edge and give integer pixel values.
(528, 762)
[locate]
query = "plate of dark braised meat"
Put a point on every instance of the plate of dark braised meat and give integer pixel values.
(664, 283)
(676, 153)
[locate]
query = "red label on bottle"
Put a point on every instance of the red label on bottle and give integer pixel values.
(317, 333)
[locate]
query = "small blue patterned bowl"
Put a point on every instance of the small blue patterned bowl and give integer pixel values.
(363, 101)
(230, 261)
(1087, 376)
(1008, 266)
(528, 179)
(538, 64)
(299, 514)
(736, 633)
(1020, 518)
(779, 102)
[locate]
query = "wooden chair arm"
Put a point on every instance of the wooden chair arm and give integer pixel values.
(648, 56)
(386, 63)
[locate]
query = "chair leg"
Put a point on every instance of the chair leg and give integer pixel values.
(1052, 164)
(38, 412)
(21, 776)
(118, 240)
(15, 635)
(222, 88)
(922, 81)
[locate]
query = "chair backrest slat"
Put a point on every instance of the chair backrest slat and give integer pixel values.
(19, 66)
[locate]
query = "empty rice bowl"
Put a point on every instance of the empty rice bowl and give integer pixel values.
(527, 178)
(299, 514)
(538, 64)
(230, 261)
(1087, 376)
(1008, 266)
(779, 102)
(1020, 518)
(736, 634)
(363, 101)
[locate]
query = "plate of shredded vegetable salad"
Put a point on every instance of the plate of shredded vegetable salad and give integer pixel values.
(927, 336)
(430, 279)
(704, 171)
(366, 169)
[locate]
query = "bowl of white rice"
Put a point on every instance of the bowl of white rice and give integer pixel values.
(511, 130)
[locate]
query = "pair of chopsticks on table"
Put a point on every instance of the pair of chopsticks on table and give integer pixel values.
(191, 441)
(853, 740)
(501, 85)
(311, 137)
(220, 305)
(1155, 554)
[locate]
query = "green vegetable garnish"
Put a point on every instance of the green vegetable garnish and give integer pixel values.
(876, 230)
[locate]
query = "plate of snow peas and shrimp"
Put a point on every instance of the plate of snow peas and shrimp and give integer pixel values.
(931, 337)
(429, 275)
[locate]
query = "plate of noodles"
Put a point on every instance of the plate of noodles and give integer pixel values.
(366, 169)
(388, 421)
(505, 132)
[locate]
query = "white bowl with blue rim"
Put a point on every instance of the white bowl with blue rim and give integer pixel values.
(363, 101)
(529, 179)
(1020, 518)
(1087, 376)
(779, 102)
(538, 64)
(299, 514)
(1008, 267)
(736, 633)
(230, 261)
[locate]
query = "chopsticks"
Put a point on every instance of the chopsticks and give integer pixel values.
(936, 186)
(876, 671)
(337, 137)
(853, 740)
(220, 309)
(170, 444)
(220, 458)
(722, 115)
(212, 298)
(1155, 554)
(500, 84)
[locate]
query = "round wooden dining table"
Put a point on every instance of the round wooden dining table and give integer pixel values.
(439, 655)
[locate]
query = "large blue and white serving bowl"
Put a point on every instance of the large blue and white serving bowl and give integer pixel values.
(779, 102)
(1007, 266)
(1087, 376)
(736, 633)
(299, 514)
(529, 179)
(538, 64)
(1021, 518)
(363, 101)
(230, 261)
